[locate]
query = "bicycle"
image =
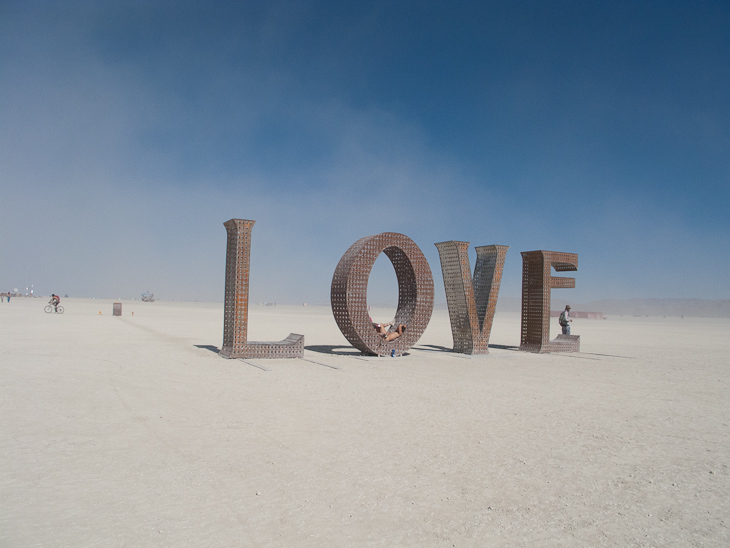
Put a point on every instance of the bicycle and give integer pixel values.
(50, 308)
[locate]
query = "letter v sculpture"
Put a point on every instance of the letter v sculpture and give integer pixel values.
(471, 302)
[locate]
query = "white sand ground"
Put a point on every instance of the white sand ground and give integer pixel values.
(131, 431)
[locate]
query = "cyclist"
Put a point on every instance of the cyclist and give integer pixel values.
(55, 300)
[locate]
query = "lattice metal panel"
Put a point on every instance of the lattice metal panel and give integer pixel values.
(471, 302)
(235, 313)
(537, 281)
(415, 293)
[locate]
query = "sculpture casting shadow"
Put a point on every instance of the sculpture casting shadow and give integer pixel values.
(208, 347)
(504, 347)
(335, 350)
(339, 350)
(436, 348)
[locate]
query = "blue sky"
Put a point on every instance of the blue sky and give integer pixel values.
(130, 131)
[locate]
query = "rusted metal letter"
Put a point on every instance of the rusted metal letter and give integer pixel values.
(235, 314)
(471, 302)
(415, 293)
(537, 281)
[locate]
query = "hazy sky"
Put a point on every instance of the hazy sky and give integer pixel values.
(131, 130)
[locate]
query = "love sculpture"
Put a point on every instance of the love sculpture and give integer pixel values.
(471, 300)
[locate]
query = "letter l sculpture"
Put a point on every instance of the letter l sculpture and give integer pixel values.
(235, 314)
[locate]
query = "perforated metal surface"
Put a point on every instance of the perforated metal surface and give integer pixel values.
(471, 302)
(537, 281)
(350, 285)
(235, 314)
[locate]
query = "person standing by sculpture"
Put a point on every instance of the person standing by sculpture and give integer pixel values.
(565, 320)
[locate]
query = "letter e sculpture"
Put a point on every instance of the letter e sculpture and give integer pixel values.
(235, 314)
(471, 302)
(350, 286)
(537, 281)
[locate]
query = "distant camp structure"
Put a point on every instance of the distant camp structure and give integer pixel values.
(578, 314)
(148, 297)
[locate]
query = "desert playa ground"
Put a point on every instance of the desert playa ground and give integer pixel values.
(132, 431)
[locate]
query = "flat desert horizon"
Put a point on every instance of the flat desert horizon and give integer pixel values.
(133, 431)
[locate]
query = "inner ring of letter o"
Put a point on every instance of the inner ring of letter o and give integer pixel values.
(415, 292)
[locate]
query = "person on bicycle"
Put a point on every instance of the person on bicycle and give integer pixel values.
(55, 300)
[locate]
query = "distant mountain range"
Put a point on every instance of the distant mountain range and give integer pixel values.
(697, 308)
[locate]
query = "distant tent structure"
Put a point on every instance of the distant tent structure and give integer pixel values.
(148, 297)
(578, 314)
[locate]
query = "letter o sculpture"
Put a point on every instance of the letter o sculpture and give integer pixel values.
(350, 287)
